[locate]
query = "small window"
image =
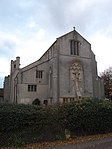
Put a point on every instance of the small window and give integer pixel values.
(32, 88)
(65, 100)
(39, 74)
(14, 65)
(74, 47)
(45, 102)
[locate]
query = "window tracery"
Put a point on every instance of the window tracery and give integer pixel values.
(77, 79)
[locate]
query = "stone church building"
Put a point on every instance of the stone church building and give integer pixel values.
(67, 71)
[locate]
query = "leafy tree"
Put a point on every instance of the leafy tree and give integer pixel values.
(107, 77)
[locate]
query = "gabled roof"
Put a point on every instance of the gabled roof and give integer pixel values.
(37, 61)
(70, 33)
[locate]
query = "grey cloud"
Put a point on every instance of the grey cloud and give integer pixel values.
(56, 15)
(14, 13)
(7, 48)
(63, 14)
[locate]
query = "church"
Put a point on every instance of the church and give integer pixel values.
(66, 72)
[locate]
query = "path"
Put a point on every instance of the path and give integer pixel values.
(105, 143)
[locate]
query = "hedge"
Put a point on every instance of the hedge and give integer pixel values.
(36, 123)
(89, 117)
(13, 117)
(29, 122)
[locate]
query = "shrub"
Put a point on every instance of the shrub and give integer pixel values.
(36, 102)
(16, 142)
(89, 117)
(13, 117)
(37, 123)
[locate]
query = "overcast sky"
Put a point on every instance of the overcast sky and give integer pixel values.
(29, 27)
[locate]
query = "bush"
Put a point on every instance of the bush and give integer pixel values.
(89, 117)
(13, 117)
(29, 122)
(36, 102)
(16, 142)
(37, 123)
